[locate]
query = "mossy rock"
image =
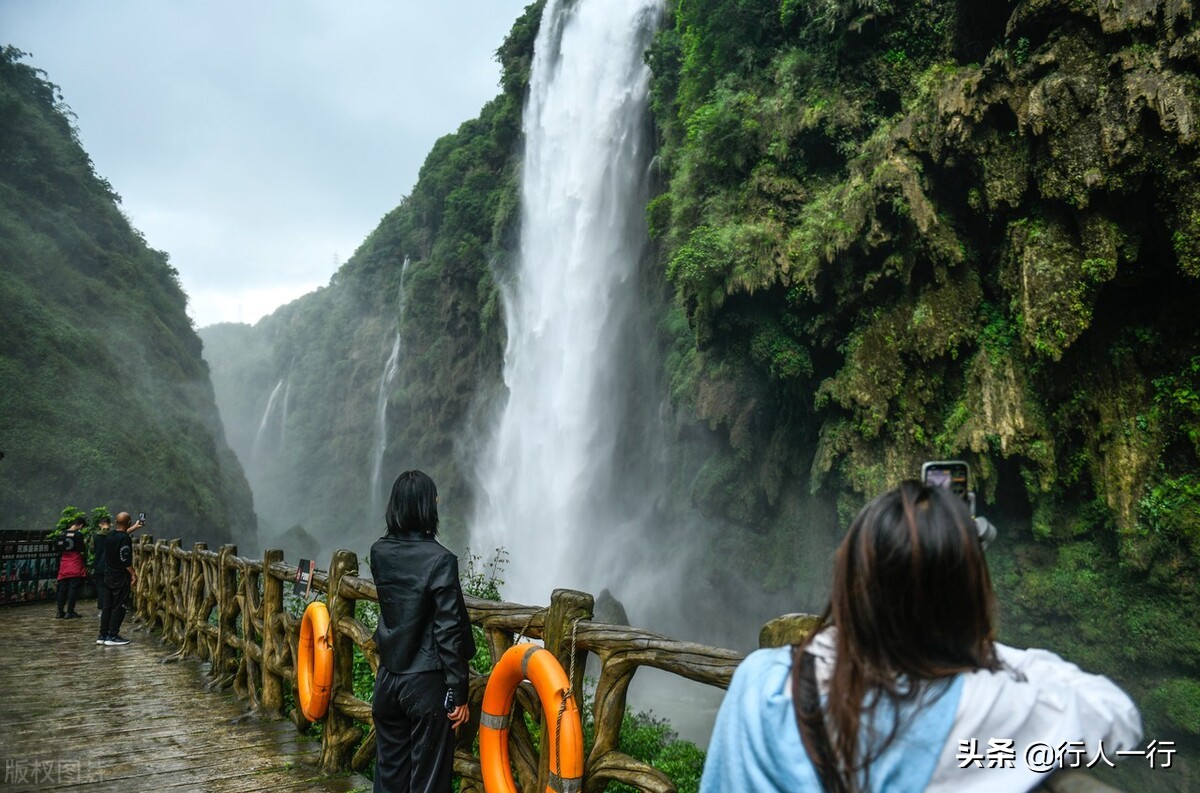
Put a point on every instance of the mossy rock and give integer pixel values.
(1178, 700)
(788, 629)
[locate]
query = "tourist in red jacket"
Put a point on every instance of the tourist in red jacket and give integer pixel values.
(72, 569)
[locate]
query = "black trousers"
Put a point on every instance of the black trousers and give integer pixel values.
(68, 591)
(115, 596)
(414, 744)
(101, 591)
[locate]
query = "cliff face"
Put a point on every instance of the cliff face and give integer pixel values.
(915, 231)
(104, 396)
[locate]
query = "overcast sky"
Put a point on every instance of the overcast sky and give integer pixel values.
(258, 142)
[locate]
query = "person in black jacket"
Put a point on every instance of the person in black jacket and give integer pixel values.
(424, 640)
(119, 578)
(98, 563)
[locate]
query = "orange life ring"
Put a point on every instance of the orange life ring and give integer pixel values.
(314, 664)
(539, 666)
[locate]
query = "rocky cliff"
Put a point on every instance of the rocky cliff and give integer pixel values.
(104, 396)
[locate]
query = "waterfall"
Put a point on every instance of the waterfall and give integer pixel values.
(283, 414)
(552, 480)
(385, 381)
(260, 437)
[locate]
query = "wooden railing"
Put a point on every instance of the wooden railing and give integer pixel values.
(230, 612)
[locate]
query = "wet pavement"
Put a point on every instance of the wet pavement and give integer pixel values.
(75, 715)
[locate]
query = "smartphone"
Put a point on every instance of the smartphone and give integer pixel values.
(954, 475)
(141, 517)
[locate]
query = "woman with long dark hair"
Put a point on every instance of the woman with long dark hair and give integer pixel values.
(903, 687)
(425, 642)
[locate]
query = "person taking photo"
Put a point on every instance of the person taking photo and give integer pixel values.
(119, 578)
(903, 686)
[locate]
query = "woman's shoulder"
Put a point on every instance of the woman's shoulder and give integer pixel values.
(768, 668)
(767, 658)
(1038, 688)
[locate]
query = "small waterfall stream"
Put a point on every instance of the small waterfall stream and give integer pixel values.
(262, 438)
(390, 366)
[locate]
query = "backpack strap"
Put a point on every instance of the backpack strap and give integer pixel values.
(810, 721)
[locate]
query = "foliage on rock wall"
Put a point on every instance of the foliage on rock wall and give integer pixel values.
(908, 231)
(456, 230)
(103, 392)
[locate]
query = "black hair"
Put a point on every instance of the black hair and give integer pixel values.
(79, 521)
(413, 505)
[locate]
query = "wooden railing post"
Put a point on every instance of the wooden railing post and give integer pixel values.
(193, 602)
(272, 607)
(173, 617)
(341, 734)
(157, 581)
(223, 663)
(247, 681)
(567, 607)
(145, 593)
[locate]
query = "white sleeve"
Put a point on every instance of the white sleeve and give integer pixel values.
(1037, 698)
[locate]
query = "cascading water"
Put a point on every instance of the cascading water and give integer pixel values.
(390, 366)
(554, 483)
(262, 436)
(283, 414)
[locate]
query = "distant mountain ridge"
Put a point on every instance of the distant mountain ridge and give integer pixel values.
(104, 396)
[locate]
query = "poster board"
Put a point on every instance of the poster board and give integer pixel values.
(302, 587)
(28, 567)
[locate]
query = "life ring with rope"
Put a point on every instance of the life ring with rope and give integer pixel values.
(314, 662)
(539, 666)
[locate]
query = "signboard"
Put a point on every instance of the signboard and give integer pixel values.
(28, 567)
(304, 574)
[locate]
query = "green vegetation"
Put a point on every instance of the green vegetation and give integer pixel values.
(482, 580)
(103, 391)
(69, 514)
(650, 739)
(884, 256)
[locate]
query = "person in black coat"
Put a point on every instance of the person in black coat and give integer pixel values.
(119, 578)
(98, 561)
(425, 642)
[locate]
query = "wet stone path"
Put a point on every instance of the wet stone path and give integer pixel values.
(75, 715)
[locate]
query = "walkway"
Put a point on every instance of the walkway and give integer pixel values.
(76, 715)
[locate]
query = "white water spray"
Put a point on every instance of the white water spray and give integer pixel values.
(549, 486)
(283, 416)
(261, 437)
(390, 366)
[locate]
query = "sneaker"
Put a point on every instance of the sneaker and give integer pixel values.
(115, 641)
(59, 615)
(71, 615)
(101, 639)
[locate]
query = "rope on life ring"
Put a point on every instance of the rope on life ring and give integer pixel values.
(314, 664)
(539, 666)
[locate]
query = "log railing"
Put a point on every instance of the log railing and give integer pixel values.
(229, 611)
